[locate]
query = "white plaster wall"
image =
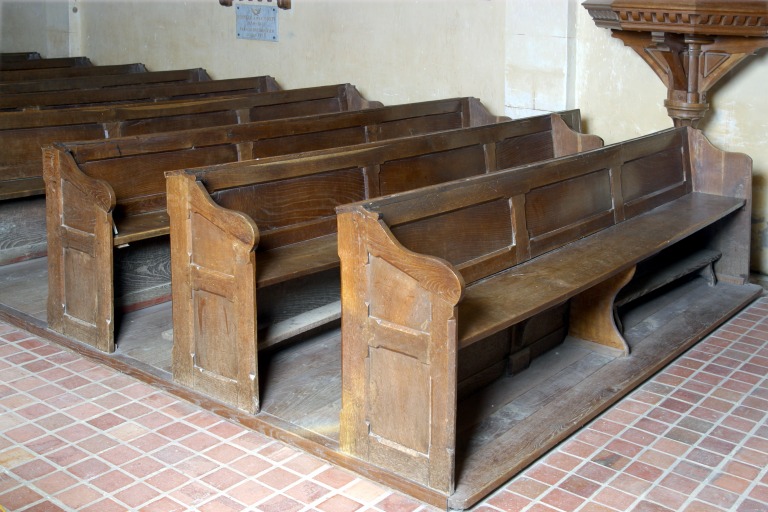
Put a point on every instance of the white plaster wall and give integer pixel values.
(35, 25)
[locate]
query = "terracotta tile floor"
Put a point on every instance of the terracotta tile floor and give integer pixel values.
(75, 435)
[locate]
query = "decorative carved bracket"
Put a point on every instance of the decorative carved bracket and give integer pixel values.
(689, 44)
(282, 4)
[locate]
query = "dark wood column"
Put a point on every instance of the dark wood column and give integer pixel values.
(689, 44)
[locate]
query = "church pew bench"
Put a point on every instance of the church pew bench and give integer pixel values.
(54, 75)
(137, 76)
(423, 283)
(50, 63)
(253, 244)
(23, 133)
(128, 94)
(131, 171)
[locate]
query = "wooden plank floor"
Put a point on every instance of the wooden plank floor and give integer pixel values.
(500, 426)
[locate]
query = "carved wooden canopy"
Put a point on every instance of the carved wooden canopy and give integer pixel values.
(689, 44)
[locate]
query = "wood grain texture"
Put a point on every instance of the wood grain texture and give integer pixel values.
(588, 218)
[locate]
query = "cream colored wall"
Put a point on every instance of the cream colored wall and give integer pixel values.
(35, 25)
(394, 51)
(519, 56)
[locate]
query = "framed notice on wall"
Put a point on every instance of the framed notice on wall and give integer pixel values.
(258, 22)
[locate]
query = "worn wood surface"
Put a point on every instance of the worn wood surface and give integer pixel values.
(35, 77)
(124, 188)
(126, 94)
(48, 63)
(22, 134)
(132, 75)
(8, 57)
(420, 280)
(272, 221)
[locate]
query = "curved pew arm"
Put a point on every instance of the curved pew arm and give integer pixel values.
(80, 253)
(399, 398)
(213, 294)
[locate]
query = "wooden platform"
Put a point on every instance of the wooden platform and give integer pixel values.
(500, 427)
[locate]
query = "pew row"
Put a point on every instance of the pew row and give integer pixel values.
(119, 189)
(138, 75)
(129, 94)
(54, 75)
(50, 63)
(6, 57)
(23, 133)
(253, 245)
(427, 275)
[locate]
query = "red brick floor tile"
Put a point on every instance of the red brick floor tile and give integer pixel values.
(24, 433)
(176, 430)
(224, 453)
(76, 432)
(395, 503)
(221, 504)
(278, 452)
(199, 441)
(304, 464)
(193, 494)
(67, 456)
(562, 461)
(596, 472)
(562, 500)
(167, 480)
(615, 498)
(97, 444)
(173, 454)
(165, 504)
(18, 498)
(630, 484)
(700, 506)
(278, 478)
(527, 487)
(112, 481)
(281, 503)
(638, 437)
(120, 454)
(648, 506)
(546, 474)
(222, 478)
(667, 497)
(137, 495)
(758, 459)
(55, 483)
(79, 496)
(334, 478)
(142, 467)
(251, 465)
(759, 493)
(579, 486)
(718, 497)
(88, 469)
(154, 420)
(578, 448)
(249, 492)
(307, 492)
(196, 466)
(33, 469)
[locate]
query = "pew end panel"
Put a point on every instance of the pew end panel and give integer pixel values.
(80, 262)
(214, 346)
(729, 174)
(409, 427)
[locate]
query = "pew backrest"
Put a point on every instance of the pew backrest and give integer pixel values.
(139, 93)
(51, 63)
(36, 75)
(127, 79)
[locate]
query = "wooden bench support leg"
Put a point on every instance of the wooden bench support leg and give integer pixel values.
(519, 356)
(592, 317)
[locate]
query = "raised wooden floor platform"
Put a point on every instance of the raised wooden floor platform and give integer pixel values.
(501, 426)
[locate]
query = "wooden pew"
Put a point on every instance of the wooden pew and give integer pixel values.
(127, 79)
(6, 57)
(23, 133)
(569, 231)
(53, 63)
(131, 94)
(30, 75)
(130, 171)
(267, 229)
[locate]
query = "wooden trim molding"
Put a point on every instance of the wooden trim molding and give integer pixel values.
(689, 44)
